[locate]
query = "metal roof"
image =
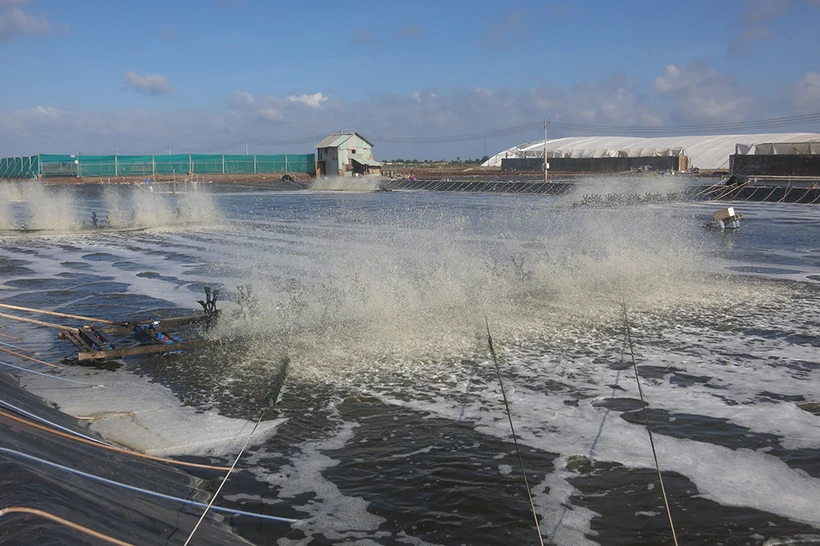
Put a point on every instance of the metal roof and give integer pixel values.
(337, 139)
(705, 152)
(364, 160)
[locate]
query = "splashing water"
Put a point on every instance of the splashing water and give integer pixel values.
(385, 284)
(39, 207)
(346, 183)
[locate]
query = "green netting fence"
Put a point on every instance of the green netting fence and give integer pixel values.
(53, 166)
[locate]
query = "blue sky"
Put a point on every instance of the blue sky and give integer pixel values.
(103, 76)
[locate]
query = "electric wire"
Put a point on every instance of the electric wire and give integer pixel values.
(148, 492)
(512, 428)
(83, 440)
(566, 127)
(36, 417)
(646, 420)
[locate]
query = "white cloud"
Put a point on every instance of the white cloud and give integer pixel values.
(242, 98)
(151, 84)
(315, 100)
(700, 94)
(49, 111)
(804, 96)
(684, 94)
(14, 21)
(270, 113)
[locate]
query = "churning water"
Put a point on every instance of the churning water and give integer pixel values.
(391, 428)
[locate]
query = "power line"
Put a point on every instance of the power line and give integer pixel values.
(566, 127)
(621, 129)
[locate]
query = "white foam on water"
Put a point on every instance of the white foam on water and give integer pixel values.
(332, 514)
(561, 522)
(390, 302)
(146, 416)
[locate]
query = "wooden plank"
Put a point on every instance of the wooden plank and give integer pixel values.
(74, 338)
(143, 349)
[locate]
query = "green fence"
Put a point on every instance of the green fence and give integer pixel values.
(53, 166)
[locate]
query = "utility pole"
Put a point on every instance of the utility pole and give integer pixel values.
(246, 146)
(546, 165)
(169, 149)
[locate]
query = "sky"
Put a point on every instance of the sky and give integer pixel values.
(204, 76)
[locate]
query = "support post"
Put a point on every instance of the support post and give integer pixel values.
(546, 164)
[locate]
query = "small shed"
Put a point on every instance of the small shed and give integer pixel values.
(346, 154)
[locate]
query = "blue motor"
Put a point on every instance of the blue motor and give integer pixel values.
(150, 333)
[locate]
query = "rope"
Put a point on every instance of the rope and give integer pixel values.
(48, 375)
(224, 480)
(61, 521)
(141, 490)
(274, 396)
(107, 446)
(646, 422)
(512, 428)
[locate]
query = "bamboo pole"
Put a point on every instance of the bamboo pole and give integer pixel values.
(26, 357)
(40, 323)
(54, 313)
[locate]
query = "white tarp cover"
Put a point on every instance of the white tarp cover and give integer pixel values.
(704, 152)
(781, 148)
